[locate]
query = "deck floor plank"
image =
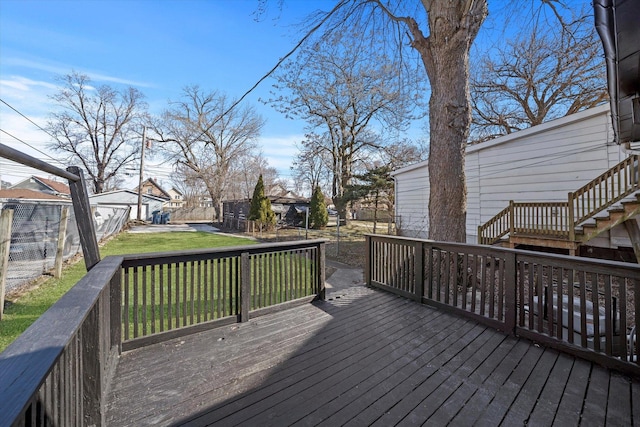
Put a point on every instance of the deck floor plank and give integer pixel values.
(547, 404)
(572, 400)
(314, 361)
(619, 402)
(362, 357)
(594, 408)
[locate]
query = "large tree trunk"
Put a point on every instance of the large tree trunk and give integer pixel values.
(453, 26)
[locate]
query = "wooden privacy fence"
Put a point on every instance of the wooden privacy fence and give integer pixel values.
(583, 306)
(58, 371)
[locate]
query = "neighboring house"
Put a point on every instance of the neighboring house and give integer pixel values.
(151, 188)
(44, 185)
(126, 199)
(540, 164)
(177, 198)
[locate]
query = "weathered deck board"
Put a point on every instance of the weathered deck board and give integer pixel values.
(366, 358)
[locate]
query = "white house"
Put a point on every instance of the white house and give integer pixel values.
(542, 163)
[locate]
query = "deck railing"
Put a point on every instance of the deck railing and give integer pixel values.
(559, 219)
(58, 371)
(583, 306)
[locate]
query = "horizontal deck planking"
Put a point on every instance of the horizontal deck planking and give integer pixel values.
(367, 357)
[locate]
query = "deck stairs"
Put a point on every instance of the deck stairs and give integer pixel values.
(607, 201)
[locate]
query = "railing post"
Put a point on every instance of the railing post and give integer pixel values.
(321, 271)
(511, 295)
(571, 219)
(480, 239)
(92, 368)
(115, 299)
(245, 286)
(367, 261)
(511, 219)
(419, 270)
(84, 219)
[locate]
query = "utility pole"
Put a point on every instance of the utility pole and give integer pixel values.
(144, 144)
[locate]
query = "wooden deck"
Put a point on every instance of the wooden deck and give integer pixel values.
(364, 357)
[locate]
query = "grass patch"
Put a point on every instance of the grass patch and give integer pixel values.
(21, 313)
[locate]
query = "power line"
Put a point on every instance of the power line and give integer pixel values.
(27, 118)
(28, 145)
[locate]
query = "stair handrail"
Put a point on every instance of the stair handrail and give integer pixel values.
(496, 227)
(605, 190)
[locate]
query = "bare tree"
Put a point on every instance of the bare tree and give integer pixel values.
(187, 182)
(441, 33)
(98, 126)
(246, 172)
(548, 73)
(311, 169)
(343, 92)
(203, 134)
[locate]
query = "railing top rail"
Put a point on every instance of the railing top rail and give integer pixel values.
(579, 263)
(25, 364)
(629, 160)
(25, 159)
(131, 260)
(547, 203)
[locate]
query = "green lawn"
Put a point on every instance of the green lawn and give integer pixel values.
(24, 311)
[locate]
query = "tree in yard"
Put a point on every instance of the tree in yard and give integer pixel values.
(98, 126)
(186, 181)
(318, 215)
(377, 187)
(311, 169)
(203, 134)
(539, 76)
(260, 210)
(441, 33)
(245, 172)
(343, 93)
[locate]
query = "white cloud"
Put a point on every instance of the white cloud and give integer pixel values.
(281, 150)
(62, 69)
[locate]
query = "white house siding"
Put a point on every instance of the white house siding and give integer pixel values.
(542, 163)
(412, 188)
(127, 198)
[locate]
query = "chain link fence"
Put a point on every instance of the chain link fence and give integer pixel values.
(35, 231)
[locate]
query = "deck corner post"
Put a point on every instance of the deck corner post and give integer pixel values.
(84, 218)
(418, 274)
(321, 271)
(511, 272)
(367, 260)
(245, 286)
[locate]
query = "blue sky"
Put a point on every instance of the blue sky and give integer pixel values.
(158, 47)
